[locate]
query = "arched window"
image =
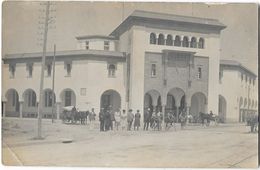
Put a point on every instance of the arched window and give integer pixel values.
(169, 40)
(193, 42)
(111, 70)
(177, 41)
(201, 43)
(152, 38)
(161, 39)
(185, 42)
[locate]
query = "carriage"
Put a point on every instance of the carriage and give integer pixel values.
(73, 116)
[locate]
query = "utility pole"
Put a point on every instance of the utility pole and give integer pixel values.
(39, 135)
(53, 78)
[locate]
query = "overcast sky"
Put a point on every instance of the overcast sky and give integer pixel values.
(20, 24)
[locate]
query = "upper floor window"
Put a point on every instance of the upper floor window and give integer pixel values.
(68, 68)
(253, 81)
(242, 77)
(249, 80)
(161, 39)
(152, 38)
(193, 42)
(246, 78)
(106, 45)
(12, 70)
(199, 74)
(111, 70)
(48, 70)
(185, 42)
(169, 40)
(201, 43)
(87, 45)
(177, 41)
(153, 70)
(30, 69)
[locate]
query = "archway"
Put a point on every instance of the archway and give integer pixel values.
(222, 108)
(68, 98)
(30, 103)
(48, 104)
(110, 98)
(12, 103)
(198, 104)
(152, 100)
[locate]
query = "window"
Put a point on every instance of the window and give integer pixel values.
(169, 40)
(153, 70)
(31, 99)
(199, 73)
(193, 42)
(87, 45)
(68, 69)
(242, 77)
(177, 41)
(106, 45)
(152, 38)
(249, 80)
(161, 39)
(201, 43)
(48, 70)
(48, 98)
(185, 42)
(246, 78)
(253, 82)
(67, 98)
(30, 69)
(12, 70)
(111, 70)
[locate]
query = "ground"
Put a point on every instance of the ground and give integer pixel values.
(221, 146)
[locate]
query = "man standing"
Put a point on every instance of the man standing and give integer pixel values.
(130, 118)
(146, 119)
(101, 119)
(137, 120)
(123, 120)
(112, 118)
(117, 118)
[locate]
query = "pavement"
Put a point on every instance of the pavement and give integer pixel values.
(221, 146)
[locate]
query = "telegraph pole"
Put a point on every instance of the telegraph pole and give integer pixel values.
(53, 78)
(39, 135)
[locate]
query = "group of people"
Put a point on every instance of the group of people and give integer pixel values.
(110, 119)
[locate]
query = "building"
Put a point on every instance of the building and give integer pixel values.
(161, 61)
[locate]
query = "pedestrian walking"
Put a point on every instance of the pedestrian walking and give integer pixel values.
(112, 118)
(130, 118)
(146, 119)
(101, 119)
(107, 120)
(183, 119)
(123, 120)
(137, 120)
(117, 118)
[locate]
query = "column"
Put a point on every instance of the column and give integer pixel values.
(58, 104)
(21, 109)
(4, 111)
(163, 112)
(177, 113)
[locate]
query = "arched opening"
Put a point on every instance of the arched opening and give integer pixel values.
(30, 104)
(152, 100)
(222, 108)
(152, 38)
(161, 39)
(176, 102)
(198, 104)
(241, 111)
(110, 99)
(201, 43)
(111, 70)
(177, 41)
(49, 100)
(170, 104)
(169, 40)
(193, 42)
(148, 102)
(12, 103)
(185, 41)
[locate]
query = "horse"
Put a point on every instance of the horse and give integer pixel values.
(208, 117)
(170, 120)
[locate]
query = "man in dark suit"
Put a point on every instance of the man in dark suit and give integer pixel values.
(101, 119)
(146, 119)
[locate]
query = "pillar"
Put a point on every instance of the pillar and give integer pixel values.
(58, 104)
(3, 109)
(163, 112)
(21, 109)
(177, 113)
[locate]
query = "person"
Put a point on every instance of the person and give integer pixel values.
(160, 119)
(101, 119)
(211, 114)
(92, 115)
(107, 120)
(130, 118)
(117, 118)
(183, 119)
(146, 118)
(137, 120)
(123, 118)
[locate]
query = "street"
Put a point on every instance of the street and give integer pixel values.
(221, 146)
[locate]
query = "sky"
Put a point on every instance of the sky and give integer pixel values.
(20, 24)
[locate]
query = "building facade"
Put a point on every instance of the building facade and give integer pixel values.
(151, 60)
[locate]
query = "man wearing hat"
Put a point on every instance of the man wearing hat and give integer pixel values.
(130, 118)
(101, 119)
(146, 119)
